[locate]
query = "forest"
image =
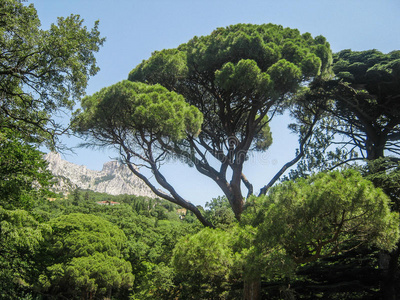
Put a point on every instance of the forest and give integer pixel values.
(325, 226)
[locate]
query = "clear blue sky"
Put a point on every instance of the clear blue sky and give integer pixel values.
(136, 28)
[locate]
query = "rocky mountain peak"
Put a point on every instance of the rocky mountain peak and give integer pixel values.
(110, 167)
(114, 178)
(53, 157)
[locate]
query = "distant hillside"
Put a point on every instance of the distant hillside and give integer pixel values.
(113, 179)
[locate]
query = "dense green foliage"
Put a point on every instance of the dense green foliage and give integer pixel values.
(83, 249)
(20, 237)
(150, 227)
(83, 256)
(137, 111)
(80, 249)
(206, 265)
(296, 224)
(324, 215)
(22, 171)
(362, 122)
(42, 71)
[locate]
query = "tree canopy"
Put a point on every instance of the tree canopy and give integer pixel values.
(141, 121)
(42, 71)
(324, 215)
(84, 257)
(363, 100)
(296, 223)
(20, 238)
(371, 95)
(361, 108)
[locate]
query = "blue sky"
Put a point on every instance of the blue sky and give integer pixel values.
(136, 28)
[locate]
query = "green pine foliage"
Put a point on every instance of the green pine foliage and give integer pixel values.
(83, 256)
(293, 237)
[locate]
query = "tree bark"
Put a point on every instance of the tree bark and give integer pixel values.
(389, 284)
(388, 262)
(252, 289)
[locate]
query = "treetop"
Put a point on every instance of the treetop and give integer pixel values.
(265, 44)
(139, 109)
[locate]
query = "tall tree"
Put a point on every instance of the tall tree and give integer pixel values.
(363, 101)
(42, 71)
(363, 104)
(141, 120)
(238, 77)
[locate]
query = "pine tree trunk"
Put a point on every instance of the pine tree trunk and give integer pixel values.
(390, 283)
(252, 289)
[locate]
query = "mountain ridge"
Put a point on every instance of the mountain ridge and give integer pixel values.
(114, 178)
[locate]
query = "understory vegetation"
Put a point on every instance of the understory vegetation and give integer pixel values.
(141, 248)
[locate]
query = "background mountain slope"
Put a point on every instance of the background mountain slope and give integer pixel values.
(113, 179)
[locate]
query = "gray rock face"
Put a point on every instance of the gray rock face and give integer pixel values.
(113, 179)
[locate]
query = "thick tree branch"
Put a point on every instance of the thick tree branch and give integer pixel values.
(174, 197)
